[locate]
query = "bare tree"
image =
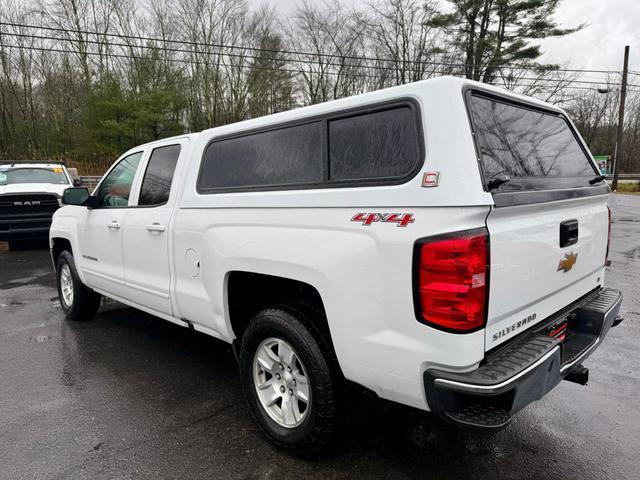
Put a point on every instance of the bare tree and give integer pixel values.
(330, 38)
(548, 83)
(400, 33)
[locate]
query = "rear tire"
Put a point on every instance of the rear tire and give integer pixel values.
(77, 300)
(289, 381)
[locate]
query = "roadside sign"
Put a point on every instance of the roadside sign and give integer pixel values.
(604, 163)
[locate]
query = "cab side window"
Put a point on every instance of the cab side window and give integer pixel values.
(156, 183)
(115, 188)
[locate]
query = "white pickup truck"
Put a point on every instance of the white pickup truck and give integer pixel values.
(30, 192)
(442, 244)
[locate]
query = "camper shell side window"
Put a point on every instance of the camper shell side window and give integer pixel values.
(376, 145)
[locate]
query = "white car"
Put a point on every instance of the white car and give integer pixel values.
(30, 193)
(442, 244)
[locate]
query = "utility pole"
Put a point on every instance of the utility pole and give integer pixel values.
(623, 96)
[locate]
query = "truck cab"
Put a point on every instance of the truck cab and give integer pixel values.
(442, 244)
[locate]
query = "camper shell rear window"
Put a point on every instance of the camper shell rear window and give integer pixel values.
(536, 149)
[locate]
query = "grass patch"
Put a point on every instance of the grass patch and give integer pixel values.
(628, 187)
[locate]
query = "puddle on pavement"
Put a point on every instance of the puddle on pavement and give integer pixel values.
(39, 279)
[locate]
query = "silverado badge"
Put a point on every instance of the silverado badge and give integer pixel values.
(567, 262)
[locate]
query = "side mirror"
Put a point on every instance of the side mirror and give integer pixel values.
(77, 182)
(75, 196)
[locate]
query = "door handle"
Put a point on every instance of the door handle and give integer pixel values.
(155, 227)
(114, 225)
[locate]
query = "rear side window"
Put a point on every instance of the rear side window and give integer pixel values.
(534, 147)
(156, 184)
(374, 145)
(290, 155)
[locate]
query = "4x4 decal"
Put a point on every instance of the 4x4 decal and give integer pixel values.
(400, 219)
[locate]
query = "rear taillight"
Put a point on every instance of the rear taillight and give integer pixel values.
(451, 280)
(606, 257)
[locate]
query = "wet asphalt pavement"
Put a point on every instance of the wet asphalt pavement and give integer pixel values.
(129, 396)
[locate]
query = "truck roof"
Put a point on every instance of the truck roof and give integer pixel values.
(30, 163)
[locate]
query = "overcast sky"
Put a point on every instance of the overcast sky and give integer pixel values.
(612, 25)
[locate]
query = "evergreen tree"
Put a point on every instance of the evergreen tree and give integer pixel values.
(119, 119)
(493, 33)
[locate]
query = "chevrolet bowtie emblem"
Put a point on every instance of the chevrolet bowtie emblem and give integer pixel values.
(567, 262)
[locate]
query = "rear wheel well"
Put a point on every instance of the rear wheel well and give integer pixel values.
(59, 245)
(248, 293)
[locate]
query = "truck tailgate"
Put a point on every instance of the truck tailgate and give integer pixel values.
(531, 275)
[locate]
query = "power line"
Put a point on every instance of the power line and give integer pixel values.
(284, 51)
(197, 53)
(505, 78)
(179, 60)
(516, 83)
(252, 57)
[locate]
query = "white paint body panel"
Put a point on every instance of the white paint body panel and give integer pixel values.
(146, 251)
(34, 188)
(101, 256)
(362, 273)
(525, 253)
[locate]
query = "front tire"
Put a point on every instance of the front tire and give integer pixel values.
(289, 382)
(77, 300)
